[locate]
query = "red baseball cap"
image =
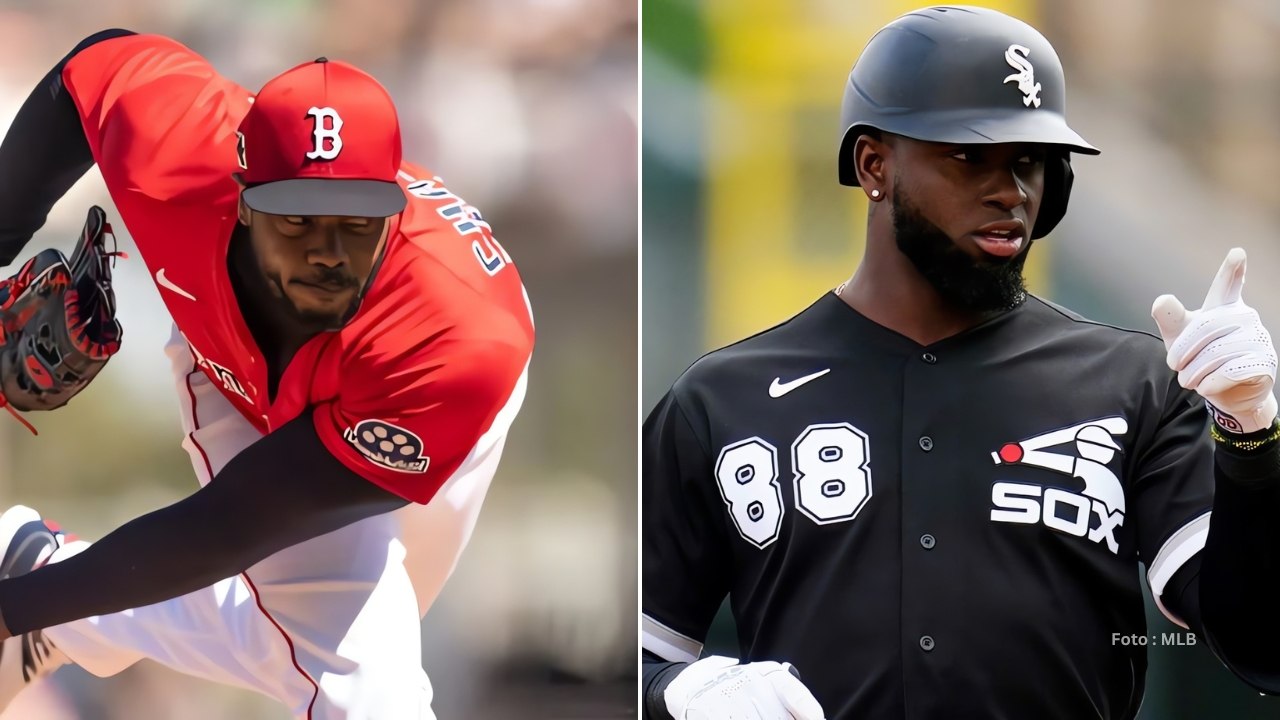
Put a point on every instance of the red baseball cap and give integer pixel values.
(321, 139)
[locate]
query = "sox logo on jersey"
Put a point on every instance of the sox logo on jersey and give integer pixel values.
(1058, 508)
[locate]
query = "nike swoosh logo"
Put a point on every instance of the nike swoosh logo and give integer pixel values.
(164, 282)
(778, 388)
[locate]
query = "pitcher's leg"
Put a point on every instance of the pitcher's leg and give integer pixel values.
(357, 634)
(329, 627)
(218, 634)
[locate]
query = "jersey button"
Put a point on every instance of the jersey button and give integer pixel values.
(927, 541)
(926, 443)
(926, 643)
(929, 358)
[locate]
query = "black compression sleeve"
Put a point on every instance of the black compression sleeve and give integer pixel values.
(1182, 595)
(1240, 567)
(282, 490)
(43, 154)
(656, 675)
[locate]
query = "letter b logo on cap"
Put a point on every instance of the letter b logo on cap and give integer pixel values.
(328, 125)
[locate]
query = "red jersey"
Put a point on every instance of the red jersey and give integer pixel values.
(404, 391)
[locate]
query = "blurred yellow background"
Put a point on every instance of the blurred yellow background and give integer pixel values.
(745, 224)
(528, 109)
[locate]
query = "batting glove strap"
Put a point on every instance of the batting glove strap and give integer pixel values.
(1256, 416)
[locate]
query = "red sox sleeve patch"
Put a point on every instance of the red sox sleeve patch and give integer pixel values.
(408, 427)
(388, 446)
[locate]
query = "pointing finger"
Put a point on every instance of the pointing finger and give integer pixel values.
(1229, 282)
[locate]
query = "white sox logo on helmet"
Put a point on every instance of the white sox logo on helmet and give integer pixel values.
(1057, 508)
(389, 446)
(1016, 56)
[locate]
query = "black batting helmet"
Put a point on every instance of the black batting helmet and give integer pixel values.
(964, 75)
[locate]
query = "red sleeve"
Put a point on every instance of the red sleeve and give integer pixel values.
(406, 423)
(160, 120)
(442, 342)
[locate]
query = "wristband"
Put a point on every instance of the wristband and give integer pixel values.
(1246, 443)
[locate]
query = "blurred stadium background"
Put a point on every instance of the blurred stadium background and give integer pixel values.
(528, 109)
(744, 223)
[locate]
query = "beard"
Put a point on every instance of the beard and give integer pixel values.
(316, 320)
(319, 321)
(268, 307)
(978, 285)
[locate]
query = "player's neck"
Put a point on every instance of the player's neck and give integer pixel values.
(888, 290)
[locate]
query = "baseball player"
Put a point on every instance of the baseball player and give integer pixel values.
(350, 349)
(927, 495)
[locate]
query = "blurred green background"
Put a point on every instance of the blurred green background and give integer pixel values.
(744, 223)
(528, 109)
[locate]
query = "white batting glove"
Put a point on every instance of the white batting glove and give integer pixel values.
(718, 688)
(1222, 351)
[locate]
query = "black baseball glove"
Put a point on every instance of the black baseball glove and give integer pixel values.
(58, 322)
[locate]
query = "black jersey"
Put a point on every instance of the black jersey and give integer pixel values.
(942, 531)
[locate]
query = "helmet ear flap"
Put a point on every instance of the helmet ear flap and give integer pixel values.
(1058, 178)
(845, 165)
